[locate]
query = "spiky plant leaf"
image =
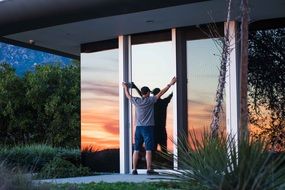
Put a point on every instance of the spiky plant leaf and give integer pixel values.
(222, 163)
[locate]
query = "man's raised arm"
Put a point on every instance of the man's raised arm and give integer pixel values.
(172, 82)
(137, 89)
(126, 90)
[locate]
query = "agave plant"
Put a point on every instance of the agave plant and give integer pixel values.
(223, 164)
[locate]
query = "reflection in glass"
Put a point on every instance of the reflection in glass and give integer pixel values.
(99, 100)
(152, 67)
(100, 111)
(203, 60)
(266, 87)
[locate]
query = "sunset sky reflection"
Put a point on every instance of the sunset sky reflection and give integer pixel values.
(151, 66)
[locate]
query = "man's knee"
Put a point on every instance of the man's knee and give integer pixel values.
(148, 152)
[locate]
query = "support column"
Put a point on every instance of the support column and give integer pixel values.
(180, 125)
(125, 121)
(232, 83)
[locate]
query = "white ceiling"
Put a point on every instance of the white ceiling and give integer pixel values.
(68, 37)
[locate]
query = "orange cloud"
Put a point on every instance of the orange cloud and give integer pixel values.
(112, 128)
(98, 143)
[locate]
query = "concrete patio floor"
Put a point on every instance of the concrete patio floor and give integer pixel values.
(108, 178)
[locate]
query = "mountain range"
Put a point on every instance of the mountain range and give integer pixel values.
(24, 59)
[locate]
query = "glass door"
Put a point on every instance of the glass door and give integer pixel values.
(100, 110)
(152, 67)
(203, 63)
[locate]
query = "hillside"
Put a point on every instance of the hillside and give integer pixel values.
(23, 59)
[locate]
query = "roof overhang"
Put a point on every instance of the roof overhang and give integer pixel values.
(63, 25)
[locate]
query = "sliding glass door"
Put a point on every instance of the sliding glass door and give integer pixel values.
(100, 110)
(203, 63)
(152, 67)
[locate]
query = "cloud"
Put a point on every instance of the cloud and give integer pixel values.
(100, 89)
(98, 144)
(195, 102)
(98, 115)
(198, 116)
(91, 69)
(97, 101)
(112, 127)
(110, 84)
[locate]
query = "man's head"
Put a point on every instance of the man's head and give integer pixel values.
(156, 91)
(145, 91)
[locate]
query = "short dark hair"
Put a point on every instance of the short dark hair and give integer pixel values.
(155, 91)
(145, 90)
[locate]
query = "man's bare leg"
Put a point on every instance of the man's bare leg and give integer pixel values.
(148, 159)
(135, 159)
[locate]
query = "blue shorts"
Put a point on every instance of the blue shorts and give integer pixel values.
(144, 134)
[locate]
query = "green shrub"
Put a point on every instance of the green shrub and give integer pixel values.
(60, 168)
(222, 164)
(34, 157)
(13, 179)
(72, 155)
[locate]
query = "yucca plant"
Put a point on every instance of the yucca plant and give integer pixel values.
(223, 164)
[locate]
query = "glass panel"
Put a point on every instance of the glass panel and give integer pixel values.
(152, 67)
(100, 109)
(266, 87)
(203, 60)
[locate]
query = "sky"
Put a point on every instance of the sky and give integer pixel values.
(203, 62)
(152, 66)
(100, 100)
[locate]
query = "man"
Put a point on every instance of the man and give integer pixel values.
(160, 112)
(145, 123)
